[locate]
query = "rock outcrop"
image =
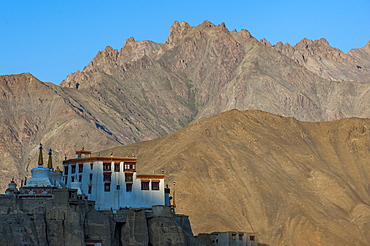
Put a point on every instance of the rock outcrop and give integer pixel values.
(43, 222)
(328, 62)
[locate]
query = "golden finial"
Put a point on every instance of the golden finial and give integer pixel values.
(58, 169)
(50, 161)
(41, 159)
(83, 148)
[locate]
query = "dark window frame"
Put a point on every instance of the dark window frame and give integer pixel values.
(129, 177)
(117, 167)
(155, 185)
(107, 166)
(107, 186)
(73, 167)
(107, 176)
(145, 185)
(66, 168)
(80, 168)
(128, 187)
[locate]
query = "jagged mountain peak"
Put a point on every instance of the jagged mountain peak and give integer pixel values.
(326, 61)
(265, 42)
(306, 41)
(218, 64)
(135, 50)
(177, 30)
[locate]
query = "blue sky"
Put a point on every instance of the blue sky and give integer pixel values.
(52, 39)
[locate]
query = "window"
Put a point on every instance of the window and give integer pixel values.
(80, 178)
(145, 185)
(128, 177)
(65, 170)
(251, 238)
(118, 187)
(73, 169)
(233, 236)
(91, 175)
(91, 166)
(129, 187)
(155, 185)
(73, 178)
(130, 166)
(240, 236)
(116, 167)
(106, 186)
(107, 176)
(89, 188)
(65, 180)
(106, 166)
(80, 168)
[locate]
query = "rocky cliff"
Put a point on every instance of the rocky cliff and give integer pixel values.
(42, 222)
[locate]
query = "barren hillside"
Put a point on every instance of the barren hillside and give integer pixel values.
(291, 182)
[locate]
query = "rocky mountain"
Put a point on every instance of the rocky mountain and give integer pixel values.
(147, 90)
(32, 112)
(307, 176)
(328, 62)
(291, 182)
(205, 70)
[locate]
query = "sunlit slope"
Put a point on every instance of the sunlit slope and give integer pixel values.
(291, 182)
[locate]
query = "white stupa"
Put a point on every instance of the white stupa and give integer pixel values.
(44, 176)
(40, 175)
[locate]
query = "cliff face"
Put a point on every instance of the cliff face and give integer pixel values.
(42, 222)
(290, 182)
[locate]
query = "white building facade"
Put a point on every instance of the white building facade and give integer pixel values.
(113, 183)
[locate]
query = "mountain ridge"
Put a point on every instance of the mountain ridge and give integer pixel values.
(148, 90)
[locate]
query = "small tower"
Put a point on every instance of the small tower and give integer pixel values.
(41, 159)
(50, 160)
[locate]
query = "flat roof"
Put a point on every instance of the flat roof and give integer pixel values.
(99, 158)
